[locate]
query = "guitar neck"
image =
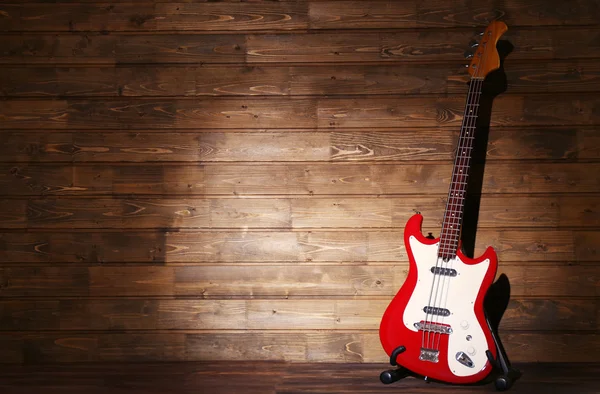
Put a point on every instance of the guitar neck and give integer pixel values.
(453, 215)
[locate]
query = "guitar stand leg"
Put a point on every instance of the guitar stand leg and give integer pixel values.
(509, 374)
(393, 375)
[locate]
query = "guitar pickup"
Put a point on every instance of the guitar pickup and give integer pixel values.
(436, 311)
(444, 271)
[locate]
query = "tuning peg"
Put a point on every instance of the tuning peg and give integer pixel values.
(468, 55)
(473, 44)
(481, 33)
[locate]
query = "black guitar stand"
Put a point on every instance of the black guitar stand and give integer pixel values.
(503, 374)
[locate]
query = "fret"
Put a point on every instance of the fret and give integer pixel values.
(445, 244)
(449, 230)
(446, 237)
(446, 250)
(452, 211)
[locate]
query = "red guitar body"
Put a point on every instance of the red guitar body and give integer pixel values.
(461, 348)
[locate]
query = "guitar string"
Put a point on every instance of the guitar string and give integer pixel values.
(467, 148)
(449, 223)
(426, 336)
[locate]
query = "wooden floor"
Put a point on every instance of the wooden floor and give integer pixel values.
(269, 378)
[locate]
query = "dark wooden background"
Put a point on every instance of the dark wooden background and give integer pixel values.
(230, 180)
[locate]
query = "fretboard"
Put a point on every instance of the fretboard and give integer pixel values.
(453, 215)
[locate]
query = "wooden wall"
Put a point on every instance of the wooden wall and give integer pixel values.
(230, 180)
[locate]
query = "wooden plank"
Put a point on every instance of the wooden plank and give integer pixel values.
(155, 16)
(357, 346)
(530, 280)
(282, 246)
(142, 347)
(29, 315)
(275, 281)
(180, 114)
(365, 346)
(556, 211)
(422, 46)
(322, 113)
(289, 179)
(112, 49)
(43, 281)
(297, 346)
(339, 80)
(317, 47)
(380, 14)
(290, 146)
(48, 348)
(507, 111)
(558, 378)
(320, 314)
(138, 378)
(200, 16)
(59, 81)
(147, 280)
(147, 146)
(268, 377)
(111, 213)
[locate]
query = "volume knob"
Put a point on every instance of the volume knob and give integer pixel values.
(464, 324)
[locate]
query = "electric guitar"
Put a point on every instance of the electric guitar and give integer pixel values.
(435, 326)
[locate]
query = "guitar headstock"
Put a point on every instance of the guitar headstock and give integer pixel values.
(486, 58)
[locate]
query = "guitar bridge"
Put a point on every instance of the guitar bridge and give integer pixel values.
(430, 355)
(433, 327)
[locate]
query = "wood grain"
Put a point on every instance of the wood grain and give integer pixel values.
(200, 16)
(222, 281)
(320, 314)
(555, 211)
(573, 246)
(230, 180)
(268, 377)
(317, 47)
(537, 143)
(323, 113)
(296, 346)
(353, 14)
(290, 179)
(340, 80)
(155, 16)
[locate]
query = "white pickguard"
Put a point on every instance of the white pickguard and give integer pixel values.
(458, 295)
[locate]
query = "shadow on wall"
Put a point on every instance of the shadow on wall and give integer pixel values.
(498, 296)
